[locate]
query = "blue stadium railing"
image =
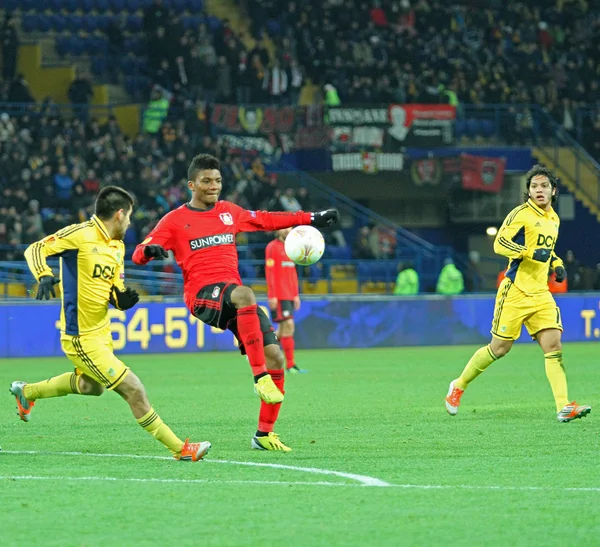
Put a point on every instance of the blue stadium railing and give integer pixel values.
(153, 278)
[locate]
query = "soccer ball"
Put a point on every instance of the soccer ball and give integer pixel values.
(304, 245)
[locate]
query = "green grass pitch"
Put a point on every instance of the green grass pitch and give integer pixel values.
(502, 472)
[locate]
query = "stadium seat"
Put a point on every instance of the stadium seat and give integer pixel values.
(488, 128)
(117, 6)
(70, 5)
(44, 22)
(88, 5)
(273, 27)
(195, 6)
(55, 5)
(213, 22)
(134, 23)
(473, 128)
(30, 22)
(99, 65)
(460, 129)
(134, 5)
(10, 5)
(179, 6)
(28, 5)
(102, 6)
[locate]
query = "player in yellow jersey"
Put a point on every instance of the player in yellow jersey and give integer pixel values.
(91, 276)
(527, 238)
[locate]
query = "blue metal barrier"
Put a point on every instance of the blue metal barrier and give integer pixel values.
(323, 322)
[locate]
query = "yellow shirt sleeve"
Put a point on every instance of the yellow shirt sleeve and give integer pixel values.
(63, 240)
(504, 244)
(119, 280)
(555, 261)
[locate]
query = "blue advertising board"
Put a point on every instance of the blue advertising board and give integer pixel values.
(29, 329)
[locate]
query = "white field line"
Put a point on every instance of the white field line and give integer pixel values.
(182, 481)
(361, 479)
(299, 483)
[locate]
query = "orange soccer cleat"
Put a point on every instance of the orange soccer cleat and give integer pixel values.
(453, 399)
(23, 405)
(193, 451)
(573, 411)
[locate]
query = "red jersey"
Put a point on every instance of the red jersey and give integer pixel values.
(203, 241)
(282, 279)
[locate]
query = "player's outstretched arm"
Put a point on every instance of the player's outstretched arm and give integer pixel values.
(37, 253)
(255, 221)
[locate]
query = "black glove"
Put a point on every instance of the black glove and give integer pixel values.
(123, 300)
(560, 273)
(155, 251)
(46, 287)
(325, 219)
(542, 255)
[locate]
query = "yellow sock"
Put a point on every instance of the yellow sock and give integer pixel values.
(59, 386)
(555, 371)
(481, 360)
(153, 424)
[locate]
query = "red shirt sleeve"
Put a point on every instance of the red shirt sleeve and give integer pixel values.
(161, 235)
(256, 221)
(294, 283)
(271, 267)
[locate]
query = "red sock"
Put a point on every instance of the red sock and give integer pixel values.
(248, 326)
(287, 343)
(269, 413)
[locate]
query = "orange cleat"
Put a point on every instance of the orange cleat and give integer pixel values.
(573, 411)
(23, 405)
(193, 451)
(453, 399)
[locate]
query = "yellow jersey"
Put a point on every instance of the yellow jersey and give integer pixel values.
(525, 229)
(90, 264)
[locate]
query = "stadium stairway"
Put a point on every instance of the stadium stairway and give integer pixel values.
(578, 171)
(580, 177)
(239, 21)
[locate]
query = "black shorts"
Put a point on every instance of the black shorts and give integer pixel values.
(284, 311)
(213, 306)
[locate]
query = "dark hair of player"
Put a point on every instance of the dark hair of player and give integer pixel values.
(544, 171)
(112, 199)
(200, 163)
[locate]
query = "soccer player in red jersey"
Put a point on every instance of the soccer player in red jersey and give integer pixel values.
(201, 235)
(282, 292)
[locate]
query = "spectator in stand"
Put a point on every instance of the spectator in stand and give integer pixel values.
(275, 83)
(80, 94)
(19, 91)
(10, 47)
(289, 202)
(7, 129)
(63, 184)
(450, 281)
(573, 269)
(407, 282)
(154, 15)
(362, 246)
(597, 278)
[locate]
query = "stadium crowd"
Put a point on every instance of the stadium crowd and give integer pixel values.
(52, 168)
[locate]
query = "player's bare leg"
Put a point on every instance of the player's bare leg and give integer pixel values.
(265, 438)
(69, 383)
(250, 333)
(550, 342)
(133, 391)
(480, 360)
